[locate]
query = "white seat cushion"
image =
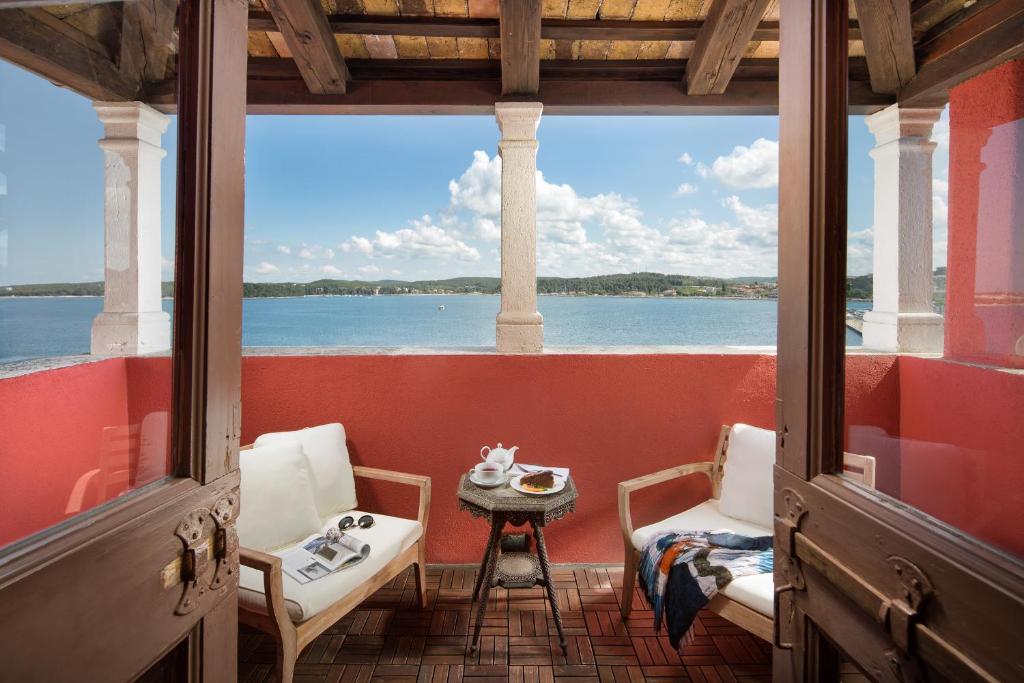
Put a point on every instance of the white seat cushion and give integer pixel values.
(755, 591)
(334, 486)
(387, 539)
(747, 482)
(705, 517)
(276, 497)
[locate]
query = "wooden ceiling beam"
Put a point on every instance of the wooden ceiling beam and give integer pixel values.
(757, 69)
(575, 97)
(888, 42)
(979, 42)
(54, 54)
(304, 27)
(519, 24)
(720, 44)
(552, 29)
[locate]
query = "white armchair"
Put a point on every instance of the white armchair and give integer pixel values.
(300, 483)
(746, 508)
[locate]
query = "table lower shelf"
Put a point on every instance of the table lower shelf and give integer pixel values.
(518, 570)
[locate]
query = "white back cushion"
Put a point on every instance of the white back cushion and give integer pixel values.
(334, 487)
(747, 483)
(277, 506)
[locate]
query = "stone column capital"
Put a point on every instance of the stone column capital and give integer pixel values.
(896, 122)
(518, 120)
(131, 121)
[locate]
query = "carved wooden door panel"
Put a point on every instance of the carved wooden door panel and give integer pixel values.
(136, 575)
(920, 576)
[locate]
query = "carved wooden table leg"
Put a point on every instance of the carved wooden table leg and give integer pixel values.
(487, 578)
(545, 567)
(488, 551)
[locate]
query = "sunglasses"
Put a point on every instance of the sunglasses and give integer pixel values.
(347, 522)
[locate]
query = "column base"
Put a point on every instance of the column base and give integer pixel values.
(903, 332)
(519, 338)
(130, 334)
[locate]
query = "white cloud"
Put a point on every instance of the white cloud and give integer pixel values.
(266, 268)
(860, 247)
(607, 233)
(754, 167)
(487, 229)
(370, 269)
(166, 264)
(685, 189)
(685, 158)
(479, 187)
(422, 239)
(284, 249)
(331, 270)
(311, 253)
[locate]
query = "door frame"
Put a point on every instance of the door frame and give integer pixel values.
(838, 546)
(114, 574)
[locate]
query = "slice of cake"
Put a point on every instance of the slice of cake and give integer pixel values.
(538, 480)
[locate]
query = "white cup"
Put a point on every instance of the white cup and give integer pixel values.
(488, 472)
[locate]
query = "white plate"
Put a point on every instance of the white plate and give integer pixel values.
(559, 485)
(487, 484)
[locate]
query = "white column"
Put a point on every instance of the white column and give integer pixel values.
(520, 328)
(132, 321)
(902, 317)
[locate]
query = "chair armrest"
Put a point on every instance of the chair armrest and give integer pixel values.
(257, 559)
(420, 481)
(627, 487)
(273, 585)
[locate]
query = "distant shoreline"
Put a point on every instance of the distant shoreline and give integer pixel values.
(371, 296)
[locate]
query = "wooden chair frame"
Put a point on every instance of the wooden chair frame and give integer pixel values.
(861, 468)
(291, 637)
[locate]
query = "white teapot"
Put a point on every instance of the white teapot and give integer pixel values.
(502, 456)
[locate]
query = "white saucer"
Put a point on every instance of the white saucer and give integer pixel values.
(559, 485)
(487, 484)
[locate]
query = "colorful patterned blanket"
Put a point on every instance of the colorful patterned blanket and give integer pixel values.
(680, 571)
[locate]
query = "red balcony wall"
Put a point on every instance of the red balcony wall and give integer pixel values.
(53, 424)
(985, 282)
(609, 418)
(961, 436)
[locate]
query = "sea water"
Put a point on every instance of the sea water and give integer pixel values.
(42, 327)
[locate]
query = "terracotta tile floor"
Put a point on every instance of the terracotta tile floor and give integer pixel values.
(388, 640)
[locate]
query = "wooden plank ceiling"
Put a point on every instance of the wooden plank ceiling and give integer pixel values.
(586, 56)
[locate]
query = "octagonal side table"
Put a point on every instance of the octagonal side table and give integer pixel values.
(504, 505)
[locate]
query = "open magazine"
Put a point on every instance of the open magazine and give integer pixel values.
(318, 556)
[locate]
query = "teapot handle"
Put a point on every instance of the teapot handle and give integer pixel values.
(483, 455)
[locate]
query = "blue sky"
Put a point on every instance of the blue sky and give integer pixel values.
(417, 197)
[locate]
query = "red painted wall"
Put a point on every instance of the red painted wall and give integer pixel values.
(53, 426)
(609, 418)
(962, 447)
(985, 281)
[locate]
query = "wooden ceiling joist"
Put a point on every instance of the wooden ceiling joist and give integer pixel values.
(63, 56)
(311, 42)
(720, 44)
(570, 97)
(519, 23)
(888, 42)
(550, 29)
(980, 41)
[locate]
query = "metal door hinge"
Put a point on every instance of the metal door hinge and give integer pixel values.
(207, 535)
(786, 527)
(899, 614)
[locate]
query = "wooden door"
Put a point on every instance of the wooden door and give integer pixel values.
(861, 575)
(150, 577)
